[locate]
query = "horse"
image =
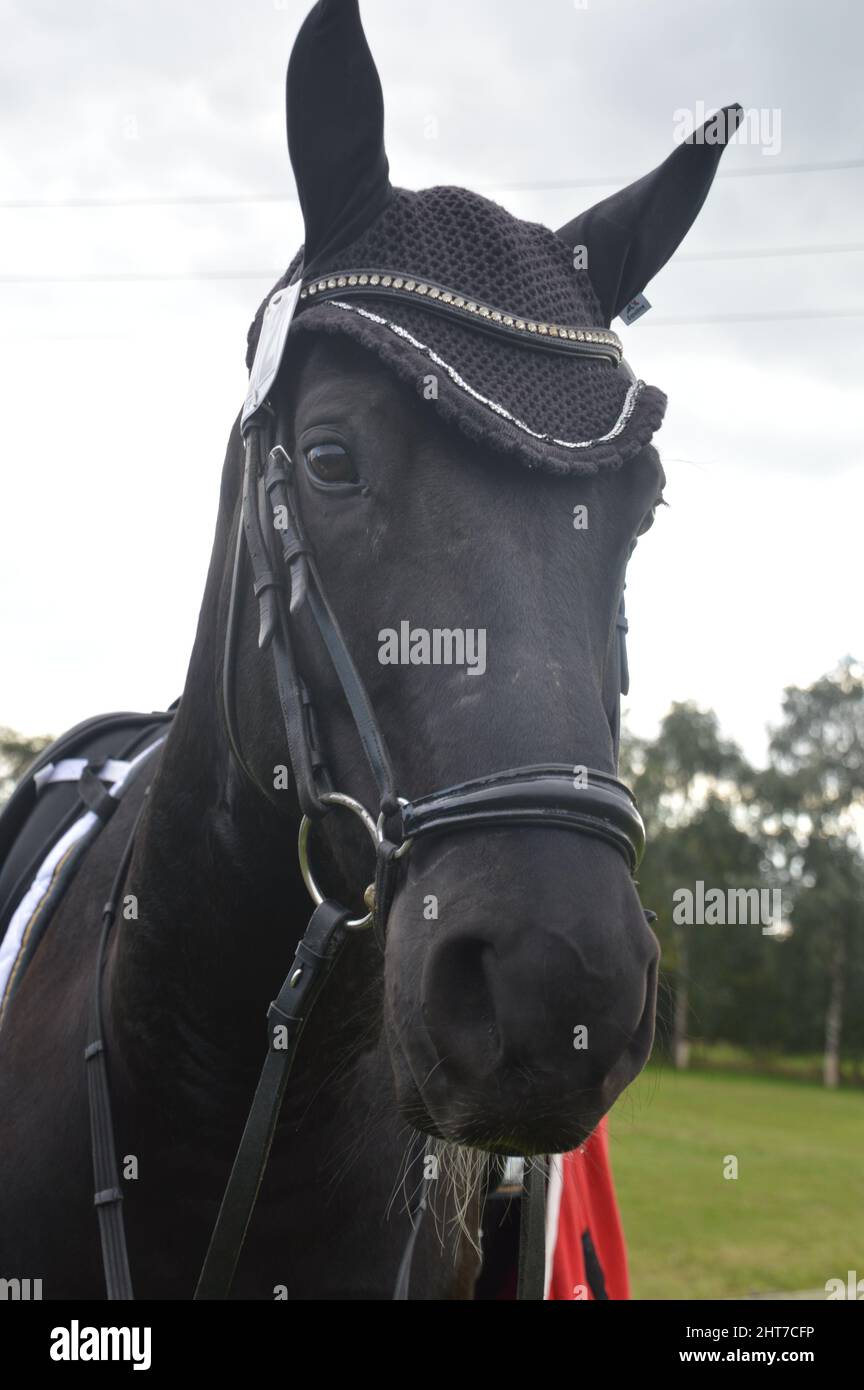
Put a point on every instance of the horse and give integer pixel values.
(378, 510)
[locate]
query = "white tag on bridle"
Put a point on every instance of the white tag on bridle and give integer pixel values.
(271, 345)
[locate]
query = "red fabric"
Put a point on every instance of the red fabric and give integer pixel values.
(588, 1203)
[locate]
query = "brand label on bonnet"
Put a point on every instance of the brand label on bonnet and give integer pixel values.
(271, 345)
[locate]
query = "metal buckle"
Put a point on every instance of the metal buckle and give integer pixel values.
(406, 844)
(335, 799)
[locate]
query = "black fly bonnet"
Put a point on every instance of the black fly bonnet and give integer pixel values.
(511, 319)
(446, 284)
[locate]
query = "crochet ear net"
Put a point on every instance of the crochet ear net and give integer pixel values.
(631, 235)
(556, 410)
(335, 126)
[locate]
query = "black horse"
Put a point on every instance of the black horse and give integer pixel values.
(409, 493)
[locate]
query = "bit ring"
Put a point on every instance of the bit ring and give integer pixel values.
(348, 802)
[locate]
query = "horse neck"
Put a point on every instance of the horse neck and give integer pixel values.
(220, 902)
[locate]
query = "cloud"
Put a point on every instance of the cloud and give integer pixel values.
(118, 397)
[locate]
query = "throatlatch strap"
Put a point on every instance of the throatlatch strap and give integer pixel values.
(316, 954)
(531, 1282)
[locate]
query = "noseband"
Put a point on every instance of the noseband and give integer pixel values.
(286, 582)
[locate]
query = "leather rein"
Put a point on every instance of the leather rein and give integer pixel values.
(286, 582)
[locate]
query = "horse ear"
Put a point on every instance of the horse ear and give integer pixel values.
(630, 236)
(335, 119)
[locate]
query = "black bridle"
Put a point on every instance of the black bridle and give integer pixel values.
(286, 583)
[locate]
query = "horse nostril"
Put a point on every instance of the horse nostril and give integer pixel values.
(639, 1046)
(457, 1001)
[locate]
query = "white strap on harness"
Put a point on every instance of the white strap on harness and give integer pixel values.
(112, 771)
(70, 769)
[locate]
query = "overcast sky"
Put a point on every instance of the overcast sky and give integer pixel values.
(127, 289)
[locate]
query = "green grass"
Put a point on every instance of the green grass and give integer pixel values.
(793, 1218)
(729, 1057)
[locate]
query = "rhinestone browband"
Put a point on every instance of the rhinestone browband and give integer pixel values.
(595, 342)
(628, 406)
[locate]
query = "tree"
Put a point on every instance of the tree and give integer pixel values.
(794, 826)
(686, 782)
(17, 752)
(812, 797)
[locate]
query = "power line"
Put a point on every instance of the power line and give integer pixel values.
(758, 171)
(135, 276)
(525, 186)
(150, 200)
(155, 276)
(757, 253)
(771, 316)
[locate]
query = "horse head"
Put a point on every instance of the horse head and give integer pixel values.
(459, 460)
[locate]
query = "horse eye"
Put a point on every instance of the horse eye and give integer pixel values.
(330, 463)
